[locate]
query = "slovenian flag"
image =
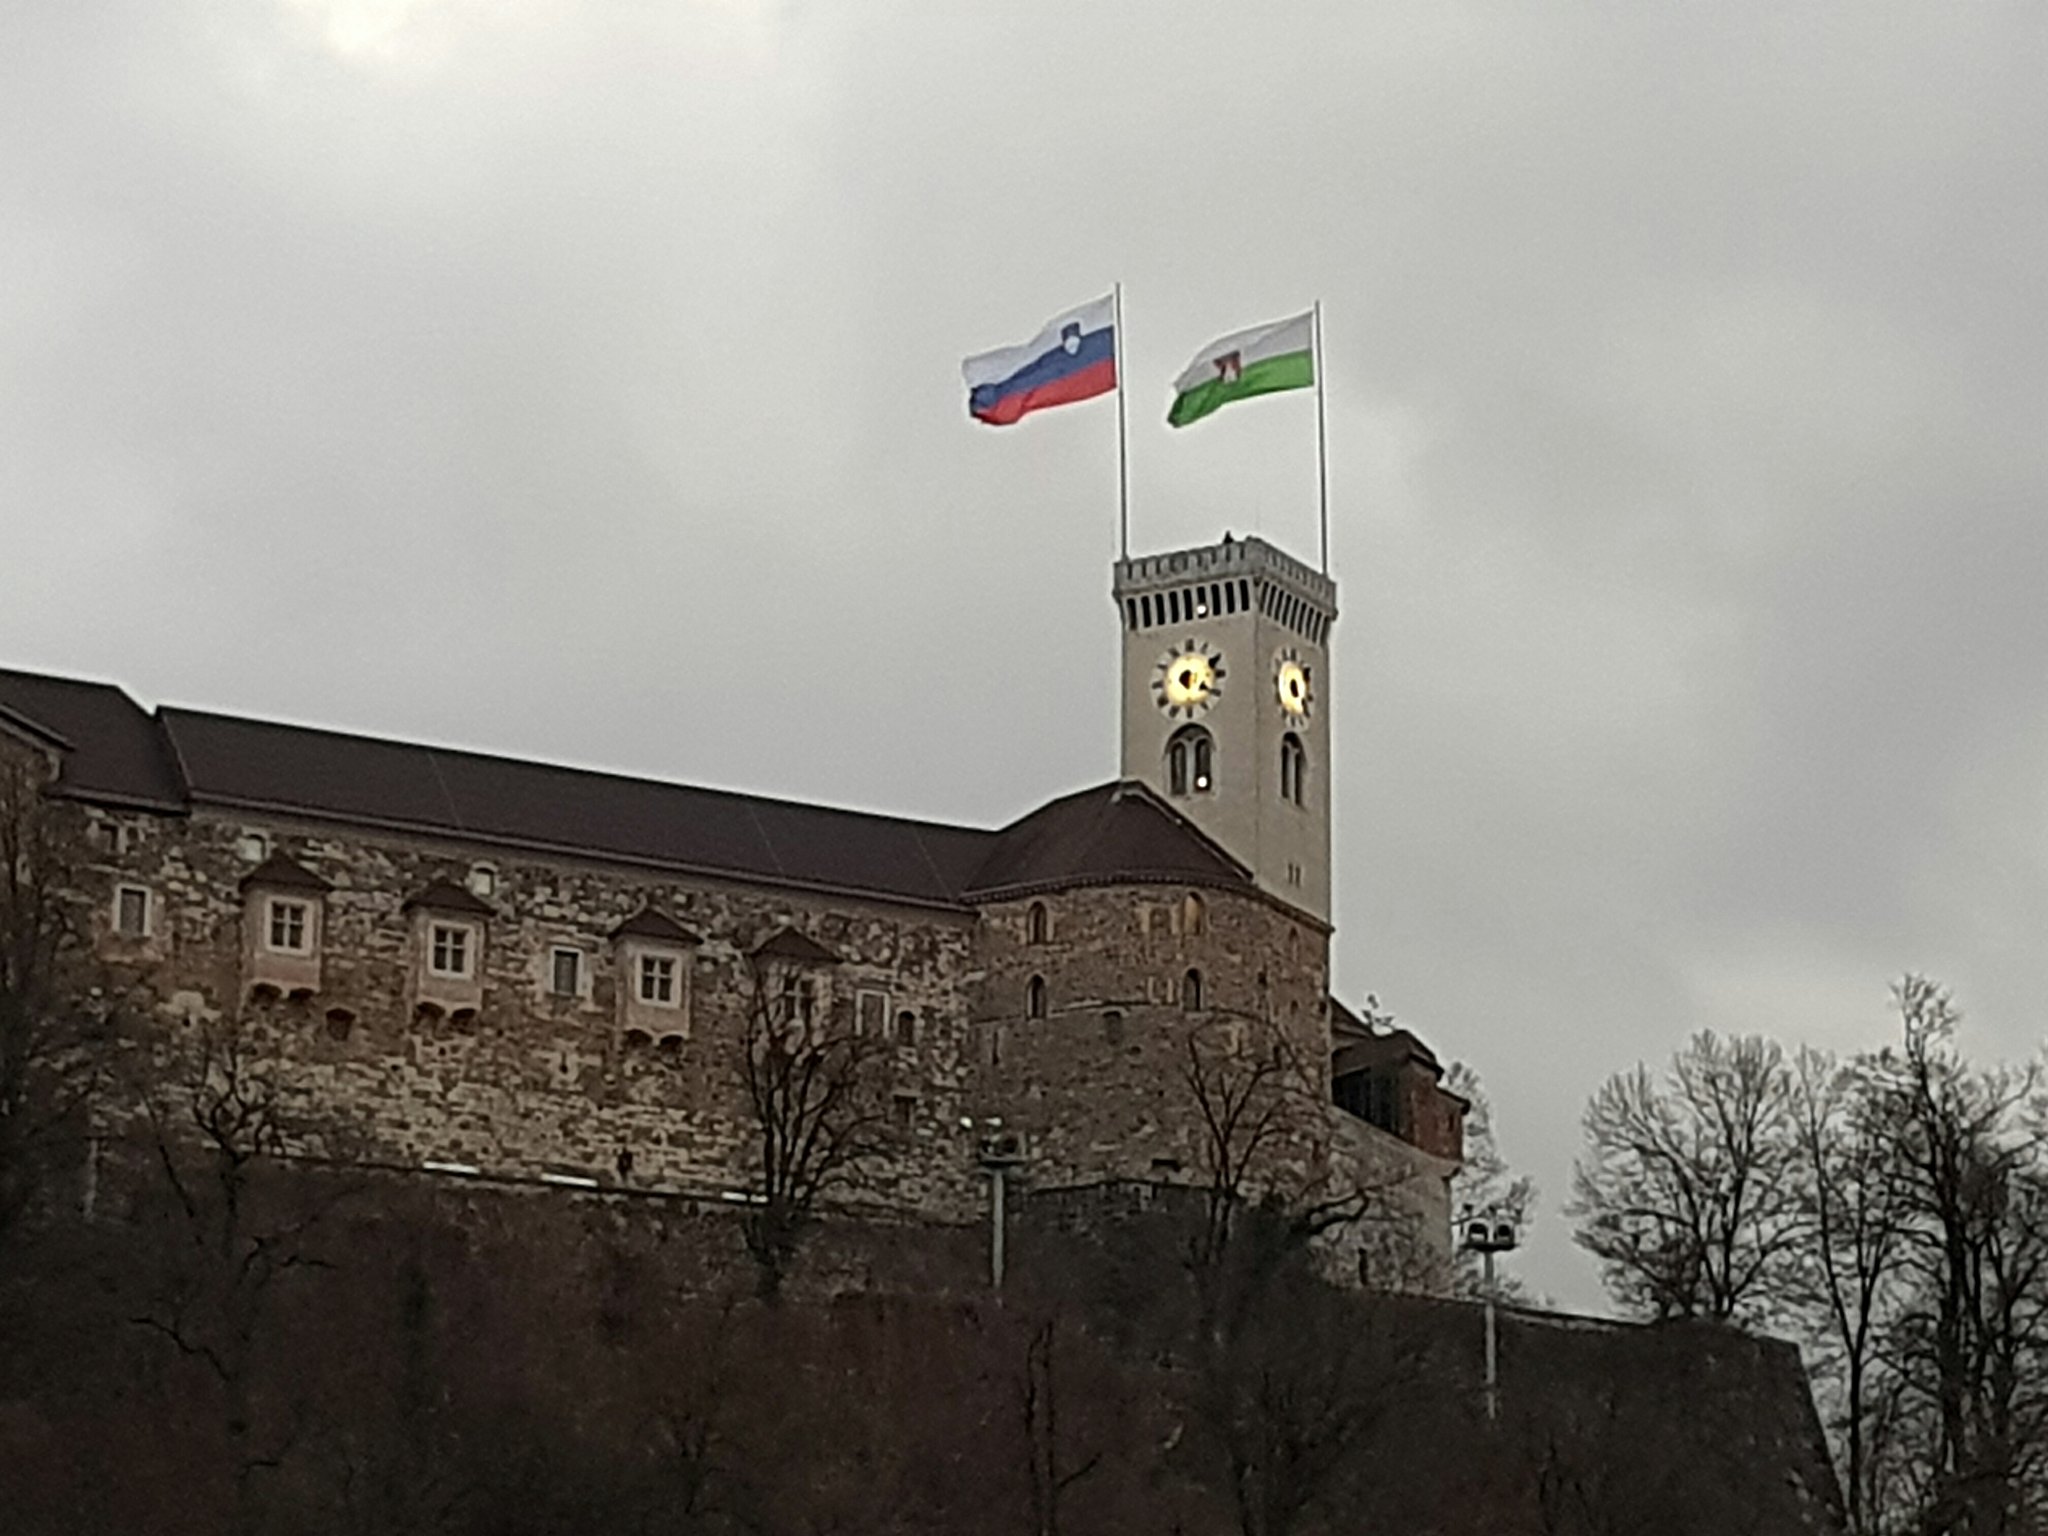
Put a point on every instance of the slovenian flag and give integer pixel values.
(1073, 358)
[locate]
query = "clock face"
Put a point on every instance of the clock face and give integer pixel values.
(1189, 679)
(1291, 684)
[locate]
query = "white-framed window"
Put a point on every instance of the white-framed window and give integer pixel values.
(658, 981)
(131, 911)
(565, 971)
(483, 879)
(451, 950)
(253, 847)
(799, 999)
(288, 926)
(871, 1012)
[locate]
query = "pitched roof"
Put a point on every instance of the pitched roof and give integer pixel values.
(281, 869)
(111, 747)
(447, 896)
(179, 758)
(649, 923)
(788, 944)
(1113, 833)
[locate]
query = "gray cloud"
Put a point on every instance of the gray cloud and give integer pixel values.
(582, 381)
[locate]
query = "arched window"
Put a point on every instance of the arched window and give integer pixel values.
(1034, 998)
(1293, 769)
(1037, 926)
(1191, 992)
(1194, 917)
(1190, 762)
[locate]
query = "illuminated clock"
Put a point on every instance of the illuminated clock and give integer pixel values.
(1291, 684)
(1189, 679)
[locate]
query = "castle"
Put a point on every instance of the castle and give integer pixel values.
(514, 970)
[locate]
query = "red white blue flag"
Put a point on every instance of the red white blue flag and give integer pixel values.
(1073, 358)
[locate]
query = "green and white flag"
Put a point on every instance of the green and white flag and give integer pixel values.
(1259, 361)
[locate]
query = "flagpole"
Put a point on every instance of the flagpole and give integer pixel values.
(1322, 441)
(1123, 433)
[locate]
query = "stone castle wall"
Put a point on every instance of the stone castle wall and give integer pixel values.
(501, 1076)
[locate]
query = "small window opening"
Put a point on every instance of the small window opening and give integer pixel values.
(1194, 915)
(1191, 992)
(1190, 762)
(903, 1106)
(1034, 998)
(870, 1013)
(906, 1027)
(799, 999)
(1293, 769)
(131, 912)
(254, 847)
(565, 973)
(1037, 923)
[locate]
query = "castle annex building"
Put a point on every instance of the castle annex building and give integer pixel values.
(528, 971)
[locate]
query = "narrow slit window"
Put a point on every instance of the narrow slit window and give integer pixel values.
(1034, 998)
(565, 972)
(1191, 992)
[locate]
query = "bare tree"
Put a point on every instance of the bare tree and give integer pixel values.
(1485, 1185)
(52, 1040)
(1686, 1194)
(819, 1129)
(1054, 1466)
(239, 1230)
(1971, 1343)
(1847, 1274)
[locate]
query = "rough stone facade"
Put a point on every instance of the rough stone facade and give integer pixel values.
(501, 1075)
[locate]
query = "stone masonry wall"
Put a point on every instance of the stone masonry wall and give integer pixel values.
(1098, 1086)
(526, 1083)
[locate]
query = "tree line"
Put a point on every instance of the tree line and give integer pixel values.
(1889, 1211)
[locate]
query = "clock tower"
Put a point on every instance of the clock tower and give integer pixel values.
(1225, 712)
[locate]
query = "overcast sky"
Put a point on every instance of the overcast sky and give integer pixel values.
(581, 380)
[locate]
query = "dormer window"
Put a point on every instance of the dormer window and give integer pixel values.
(798, 1000)
(451, 951)
(288, 926)
(654, 974)
(658, 981)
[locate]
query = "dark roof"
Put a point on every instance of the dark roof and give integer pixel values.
(788, 944)
(648, 923)
(255, 763)
(1113, 833)
(281, 869)
(447, 896)
(112, 749)
(179, 758)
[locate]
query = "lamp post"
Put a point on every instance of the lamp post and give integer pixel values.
(1487, 1236)
(998, 1151)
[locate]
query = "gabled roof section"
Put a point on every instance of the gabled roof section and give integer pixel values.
(282, 870)
(447, 896)
(651, 923)
(111, 748)
(801, 948)
(1115, 833)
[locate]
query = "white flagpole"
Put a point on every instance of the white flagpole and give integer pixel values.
(1322, 440)
(1123, 434)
